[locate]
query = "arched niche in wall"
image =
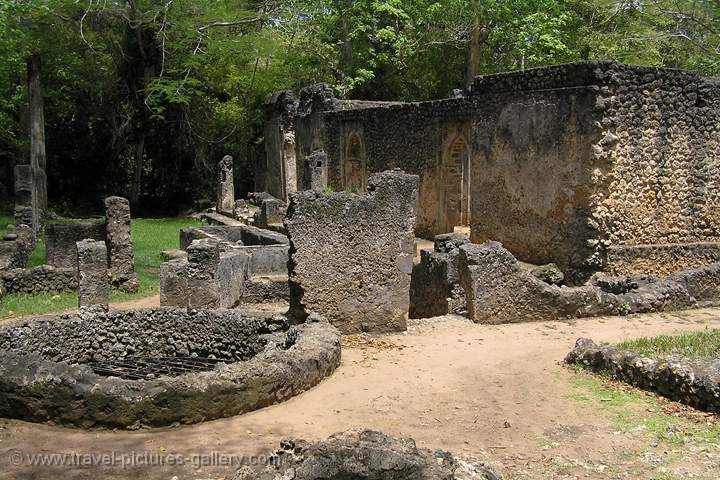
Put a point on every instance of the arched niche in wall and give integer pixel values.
(354, 170)
(455, 183)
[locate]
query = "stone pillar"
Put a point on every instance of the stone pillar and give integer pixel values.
(26, 208)
(317, 165)
(203, 260)
(119, 244)
(226, 185)
(93, 285)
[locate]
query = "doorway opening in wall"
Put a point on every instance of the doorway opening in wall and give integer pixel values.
(353, 166)
(456, 184)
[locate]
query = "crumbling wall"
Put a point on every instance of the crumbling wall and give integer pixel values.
(277, 174)
(435, 283)
(225, 266)
(575, 164)
(351, 255)
(41, 279)
(60, 240)
(499, 290)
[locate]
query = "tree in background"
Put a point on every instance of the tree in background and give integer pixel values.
(142, 97)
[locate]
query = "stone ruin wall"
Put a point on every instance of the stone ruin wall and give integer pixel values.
(657, 203)
(351, 255)
(557, 158)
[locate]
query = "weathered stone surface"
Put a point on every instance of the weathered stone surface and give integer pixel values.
(435, 284)
(173, 283)
(549, 273)
(43, 364)
(243, 252)
(498, 290)
(317, 164)
(695, 382)
(264, 289)
(119, 244)
(16, 248)
(61, 238)
(93, 284)
(226, 186)
(351, 255)
(41, 279)
(27, 208)
(365, 454)
(628, 156)
(272, 211)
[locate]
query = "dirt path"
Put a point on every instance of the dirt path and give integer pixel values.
(496, 391)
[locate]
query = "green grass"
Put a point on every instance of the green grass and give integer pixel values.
(704, 343)
(634, 411)
(5, 220)
(150, 237)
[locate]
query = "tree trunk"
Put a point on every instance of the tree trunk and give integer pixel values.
(36, 116)
(474, 47)
(136, 186)
(347, 53)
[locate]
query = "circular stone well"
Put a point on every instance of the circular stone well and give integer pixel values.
(157, 367)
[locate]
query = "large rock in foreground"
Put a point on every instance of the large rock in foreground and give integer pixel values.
(365, 455)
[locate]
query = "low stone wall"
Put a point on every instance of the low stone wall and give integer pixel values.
(660, 260)
(498, 290)
(219, 278)
(42, 366)
(16, 247)
(42, 279)
(694, 382)
(60, 240)
(358, 454)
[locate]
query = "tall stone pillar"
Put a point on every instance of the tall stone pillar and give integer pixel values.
(119, 244)
(93, 284)
(226, 185)
(26, 206)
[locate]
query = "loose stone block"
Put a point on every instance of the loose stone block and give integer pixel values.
(93, 284)
(272, 211)
(351, 255)
(119, 243)
(226, 185)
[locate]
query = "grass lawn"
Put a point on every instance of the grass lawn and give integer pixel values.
(705, 343)
(150, 237)
(5, 220)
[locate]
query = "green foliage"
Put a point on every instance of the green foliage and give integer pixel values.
(142, 98)
(150, 237)
(705, 343)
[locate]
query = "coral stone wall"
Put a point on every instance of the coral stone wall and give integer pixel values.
(144, 333)
(661, 145)
(532, 170)
(571, 164)
(351, 255)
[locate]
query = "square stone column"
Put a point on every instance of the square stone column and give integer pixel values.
(119, 243)
(226, 185)
(93, 284)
